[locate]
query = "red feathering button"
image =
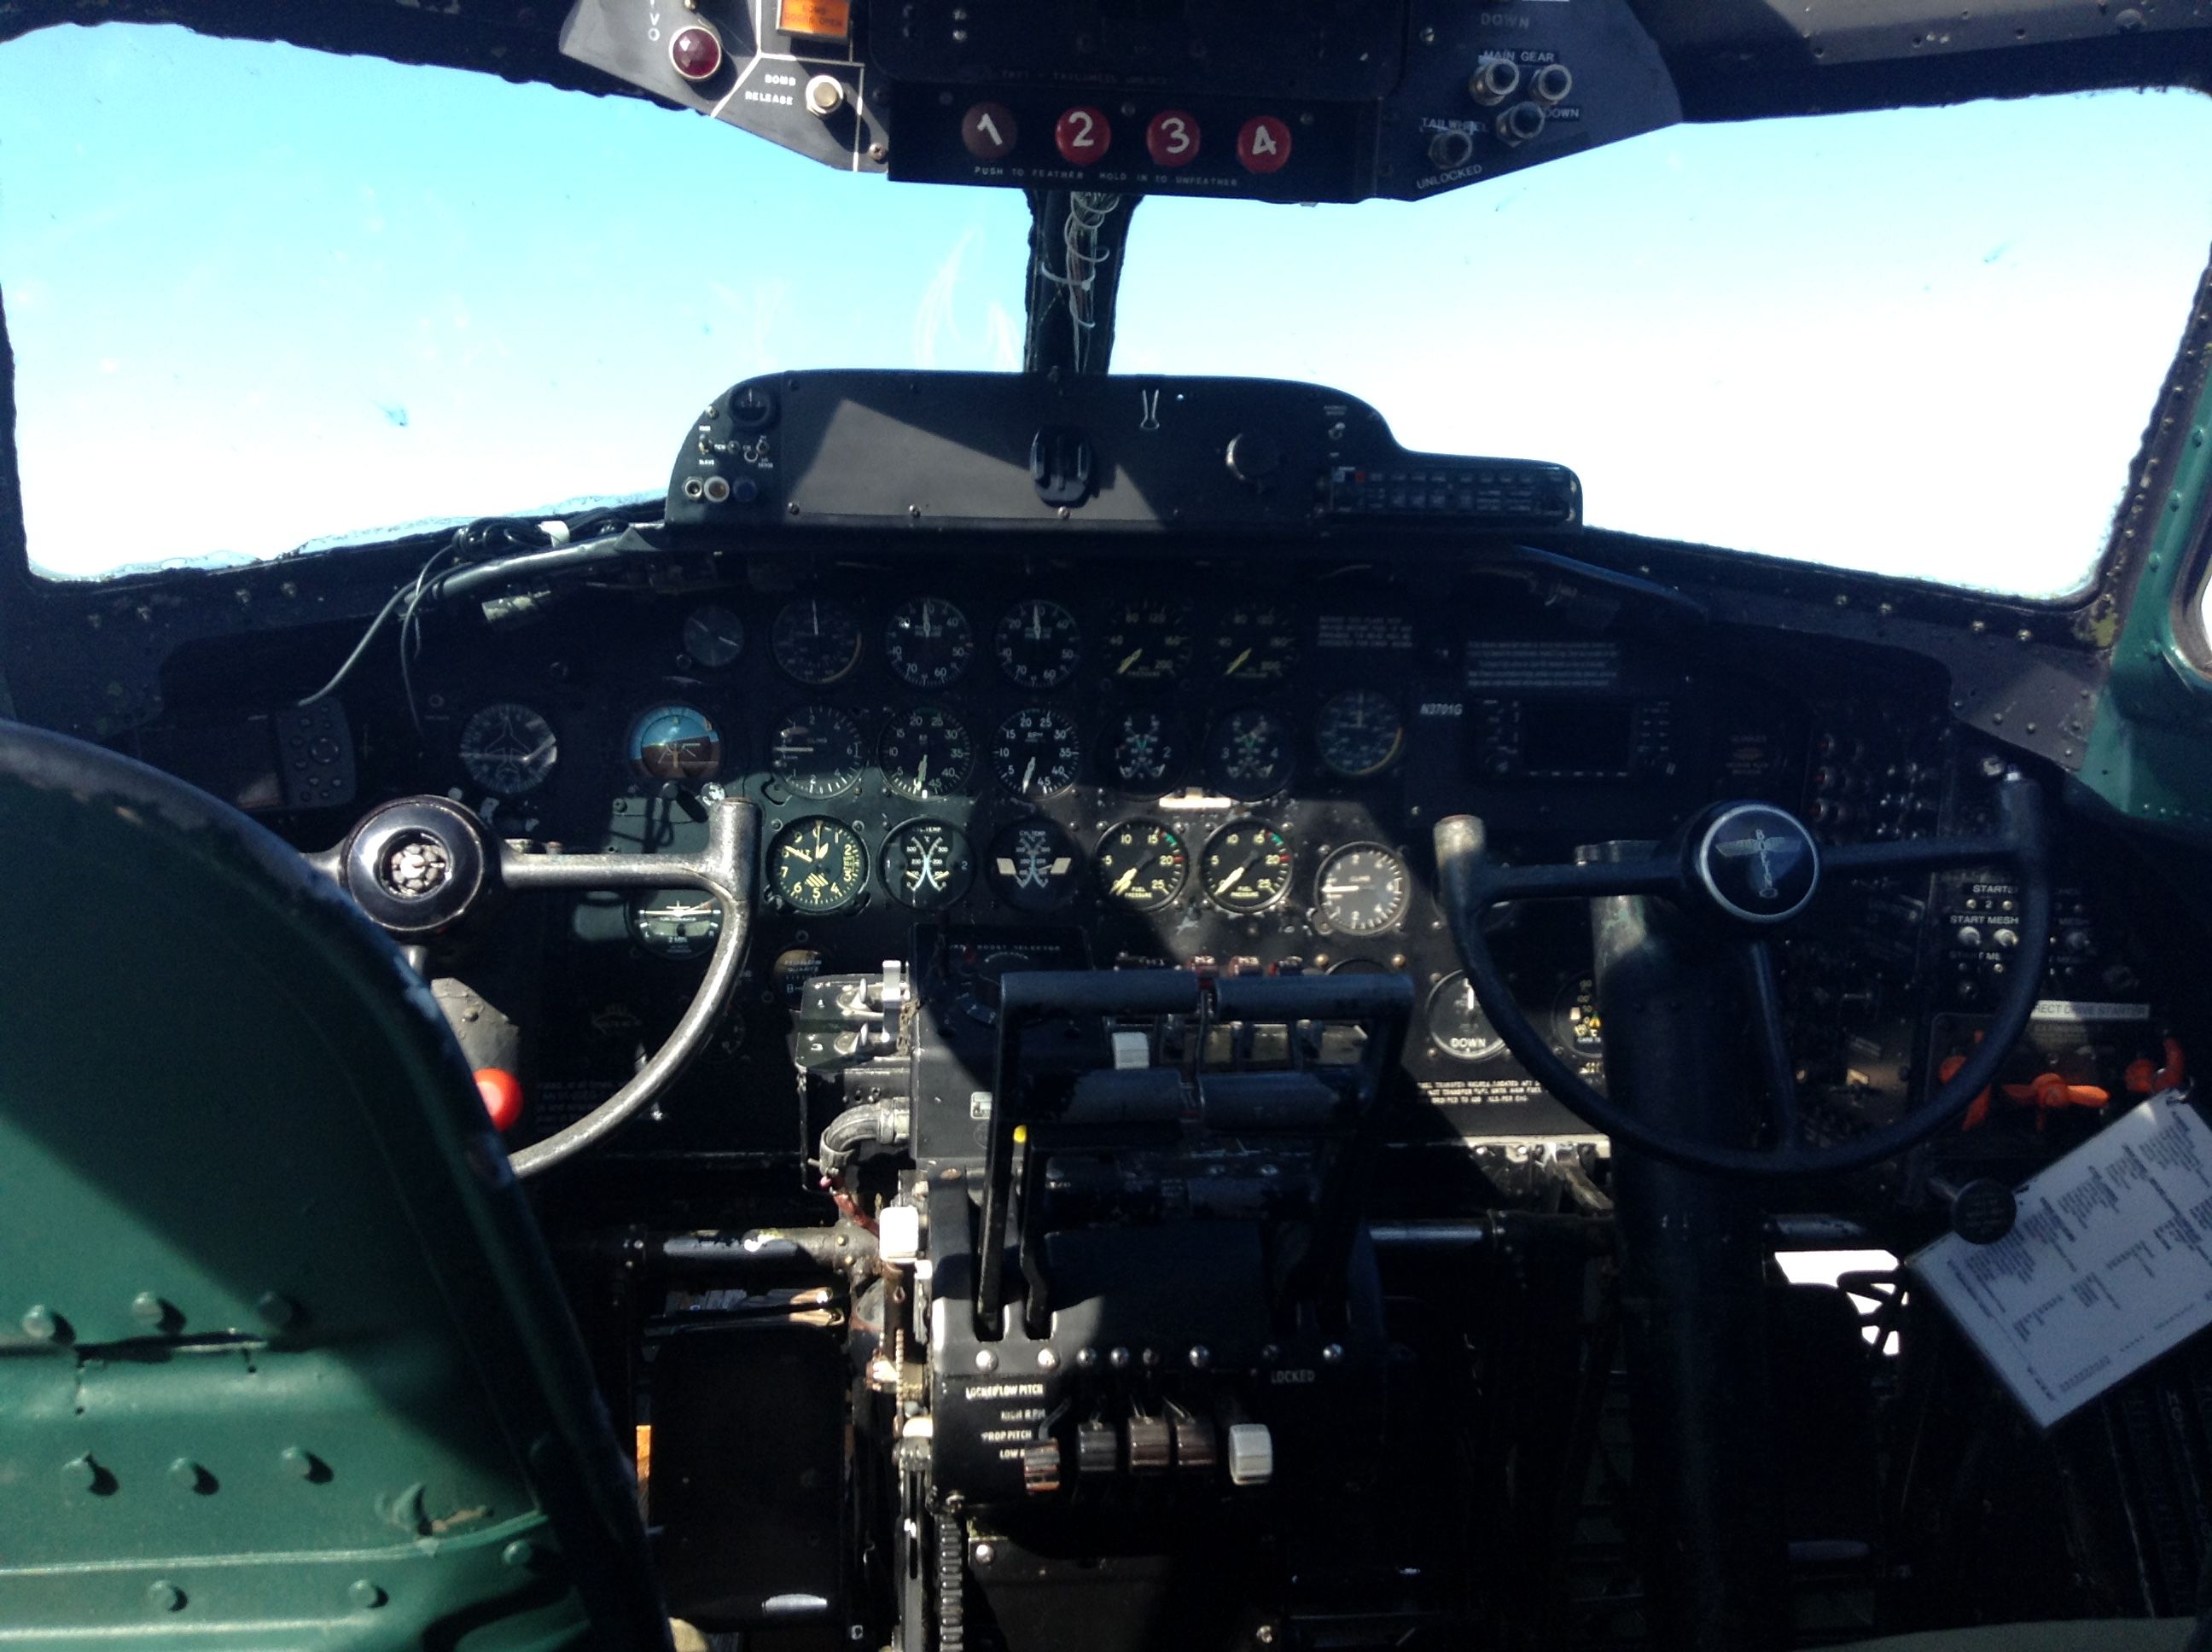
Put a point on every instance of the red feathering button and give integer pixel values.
(502, 1095)
(1083, 136)
(1172, 138)
(1263, 144)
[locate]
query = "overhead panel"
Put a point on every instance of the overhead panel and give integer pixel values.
(1302, 100)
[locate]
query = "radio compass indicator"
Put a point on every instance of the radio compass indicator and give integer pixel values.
(818, 866)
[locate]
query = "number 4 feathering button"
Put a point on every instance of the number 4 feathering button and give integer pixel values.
(1263, 144)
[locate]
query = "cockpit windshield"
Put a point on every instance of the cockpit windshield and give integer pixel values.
(266, 298)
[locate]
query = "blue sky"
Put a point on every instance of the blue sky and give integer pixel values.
(260, 295)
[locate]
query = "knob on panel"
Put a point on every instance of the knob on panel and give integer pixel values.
(1253, 457)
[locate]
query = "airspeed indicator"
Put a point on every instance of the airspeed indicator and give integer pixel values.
(1364, 890)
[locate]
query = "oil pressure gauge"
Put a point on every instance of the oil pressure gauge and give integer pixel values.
(1149, 643)
(1255, 642)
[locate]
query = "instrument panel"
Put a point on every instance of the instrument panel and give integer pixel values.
(1221, 766)
(1229, 763)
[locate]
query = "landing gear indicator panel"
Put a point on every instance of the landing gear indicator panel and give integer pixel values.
(2109, 1266)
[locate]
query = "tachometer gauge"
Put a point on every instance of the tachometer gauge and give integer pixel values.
(675, 742)
(1359, 732)
(1035, 752)
(1032, 864)
(1149, 643)
(815, 640)
(818, 865)
(1457, 1026)
(1255, 643)
(1142, 865)
(1142, 750)
(1249, 755)
(675, 923)
(714, 637)
(1038, 644)
(925, 753)
(816, 751)
(927, 864)
(1247, 866)
(1364, 890)
(928, 643)
(508, 749)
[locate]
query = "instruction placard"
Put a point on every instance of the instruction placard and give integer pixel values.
(2109, 1266)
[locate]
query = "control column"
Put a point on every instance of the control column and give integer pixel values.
(1692, 1287)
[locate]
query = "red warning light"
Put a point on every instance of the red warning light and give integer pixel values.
(1172, 139)
(696, 52)
(1263, 144)
(1083, 136)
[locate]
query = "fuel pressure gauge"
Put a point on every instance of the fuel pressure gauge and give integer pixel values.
(1247, 867)
(1142, 865)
